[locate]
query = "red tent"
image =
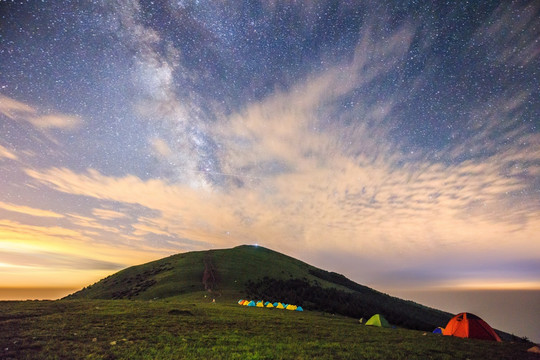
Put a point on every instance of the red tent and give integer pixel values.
(467, 325)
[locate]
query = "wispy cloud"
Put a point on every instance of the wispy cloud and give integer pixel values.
(5, 153)
(161, 148)
(16, 110)
(39, 260)
(55, 121)
(183, 210)
(86, 223)
(510, 36)
(108, 214)
(29, 210)
(37, 255)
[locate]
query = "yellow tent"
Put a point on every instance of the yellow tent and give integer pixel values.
(279, 306)
(291, 307)
(260, 304)
(269, 305)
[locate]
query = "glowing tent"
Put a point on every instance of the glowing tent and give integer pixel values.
(378, 320)
(467, 325)
(438, 330)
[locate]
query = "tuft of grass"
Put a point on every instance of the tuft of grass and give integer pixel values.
(193, 327)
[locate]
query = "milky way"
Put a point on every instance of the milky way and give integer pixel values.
(337, 132)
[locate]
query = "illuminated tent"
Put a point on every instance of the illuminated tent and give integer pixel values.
(251, 303)
(299, 308)
(438, 330)
(269, 305)
(291, 307)
(467, 325)
(280, 306)
(240, 301)
(378, 320)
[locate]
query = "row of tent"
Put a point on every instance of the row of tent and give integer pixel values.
(268, 304)
(464, 325)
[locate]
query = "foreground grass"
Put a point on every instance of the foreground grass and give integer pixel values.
(192, 329)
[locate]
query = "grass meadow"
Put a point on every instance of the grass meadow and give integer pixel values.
(193, 327)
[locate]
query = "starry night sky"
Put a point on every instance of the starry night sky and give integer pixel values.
(397, 143)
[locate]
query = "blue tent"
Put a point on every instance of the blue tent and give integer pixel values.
(275, 304)
(252, 303)
(266, 303)
(299, 308)
(438, 330)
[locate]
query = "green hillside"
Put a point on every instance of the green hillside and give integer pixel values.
(230, 270)
(259, 273)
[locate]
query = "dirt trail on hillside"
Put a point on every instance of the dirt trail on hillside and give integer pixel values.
(210, 278)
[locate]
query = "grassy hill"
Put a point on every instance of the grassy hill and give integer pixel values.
(183, 273)
(259, 273)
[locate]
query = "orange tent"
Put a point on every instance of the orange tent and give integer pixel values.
(467, 325)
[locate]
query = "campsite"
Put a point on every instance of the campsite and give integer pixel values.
(164, 310)
(193, 327)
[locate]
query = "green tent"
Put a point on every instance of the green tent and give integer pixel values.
(378, 320)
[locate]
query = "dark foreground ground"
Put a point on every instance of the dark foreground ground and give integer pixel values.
(196, 328)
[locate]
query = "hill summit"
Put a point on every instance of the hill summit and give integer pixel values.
(256, 272)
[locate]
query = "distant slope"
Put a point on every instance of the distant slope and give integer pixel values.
(185, 273)
(257, 272)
